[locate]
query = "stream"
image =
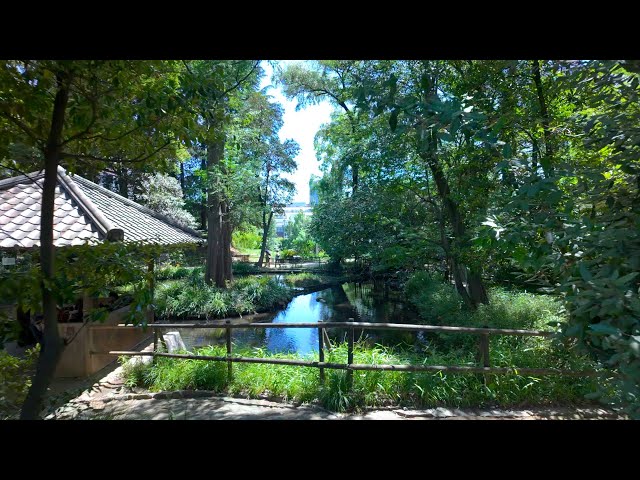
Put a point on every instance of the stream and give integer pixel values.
(364, 302)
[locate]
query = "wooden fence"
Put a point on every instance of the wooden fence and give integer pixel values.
(483, 357)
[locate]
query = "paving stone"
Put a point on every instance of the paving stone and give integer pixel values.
(97, 405)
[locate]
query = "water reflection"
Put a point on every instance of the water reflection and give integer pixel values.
(364, 302)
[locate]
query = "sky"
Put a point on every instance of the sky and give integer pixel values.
(301, 126)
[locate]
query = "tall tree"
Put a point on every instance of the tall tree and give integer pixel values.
(327, 80)
(73, 112)
(272, 158)
(212, 88)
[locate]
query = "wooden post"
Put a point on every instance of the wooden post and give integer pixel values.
(327, 341)
(483, 352)
(350, 355)
(321, 351)
(229, 363)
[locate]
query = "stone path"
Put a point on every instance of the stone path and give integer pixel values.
(108, 399)
(169, 406)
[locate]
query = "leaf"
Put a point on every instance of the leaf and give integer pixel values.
(506, 151)
(584, 272)
(604, 329)
(574, 330)
(623, 280)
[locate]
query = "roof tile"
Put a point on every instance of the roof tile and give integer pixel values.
(20, 216)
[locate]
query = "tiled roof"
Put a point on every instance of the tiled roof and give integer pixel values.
(83, 212)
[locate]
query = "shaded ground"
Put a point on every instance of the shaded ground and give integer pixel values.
(145, 407)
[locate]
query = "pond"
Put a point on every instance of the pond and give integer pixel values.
(363, 302)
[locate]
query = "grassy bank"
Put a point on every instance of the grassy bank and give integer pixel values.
(370, 388)
(171, 272)
(192, 297)
(306, 279)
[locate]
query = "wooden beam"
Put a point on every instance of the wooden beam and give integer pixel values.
(356, 366)
(362, 325)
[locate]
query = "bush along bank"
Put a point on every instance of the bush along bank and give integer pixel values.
(191, 297)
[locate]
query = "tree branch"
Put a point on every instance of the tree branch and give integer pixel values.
(23, 127)
(20, 172)
(242, 80)
(94, 117)
(140, 158)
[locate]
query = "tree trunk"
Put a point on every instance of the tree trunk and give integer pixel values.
(214, 232)
(218, 238)
(456, 270)
(266, 225)
(547, 161)
(226, 243)
(204, 196)
(52, 344)
(354, 178)
(474, 292)
(477, 290)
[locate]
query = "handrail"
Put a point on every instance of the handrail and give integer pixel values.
(483, 360)
(362, 325)
(359, 366)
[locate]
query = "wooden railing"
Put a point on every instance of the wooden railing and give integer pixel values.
(484, 335)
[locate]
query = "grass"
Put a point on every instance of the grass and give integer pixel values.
(437, 303)
(172, 272)
(370, 388)
(305, 279)
(254, 252)
(191, 297)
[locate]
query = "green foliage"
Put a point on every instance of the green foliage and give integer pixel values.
(439, 304)
(172, 272)
(244, 268)
(192, 297)
(15, 380)
(247, 237)
(573, 226)
(134, 371)
(116, 109)
(162, 193)
(304, 279)
(298, 237)
(525, 171)
(288, 253)
(374, 388)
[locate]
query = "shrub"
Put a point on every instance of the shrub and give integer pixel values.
(15, 380)
(243, 268)
(192, 297)
(304, 279)
(288, 253)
